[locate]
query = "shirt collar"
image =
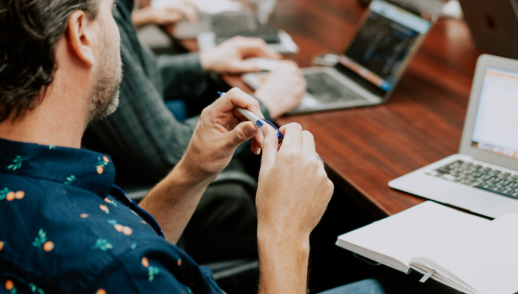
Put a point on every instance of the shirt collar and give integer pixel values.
(80, 168)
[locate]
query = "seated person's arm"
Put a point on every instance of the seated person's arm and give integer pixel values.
(164, 16)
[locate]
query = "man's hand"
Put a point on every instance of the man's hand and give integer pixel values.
(293, 194)
(294, 189)
(166, 15)
(219, 132)
(231, 56)
(283, 89)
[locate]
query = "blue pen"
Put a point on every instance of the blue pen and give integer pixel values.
(259, 122)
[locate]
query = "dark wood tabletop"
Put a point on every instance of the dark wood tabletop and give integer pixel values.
(365, 148)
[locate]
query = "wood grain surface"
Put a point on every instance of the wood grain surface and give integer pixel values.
(365, 148)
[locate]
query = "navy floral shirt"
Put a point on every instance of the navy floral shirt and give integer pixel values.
(65, 228)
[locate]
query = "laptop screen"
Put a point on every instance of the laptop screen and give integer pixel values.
(383, 43)
(496, 123)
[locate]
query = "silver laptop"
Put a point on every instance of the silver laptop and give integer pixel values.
(493, 25)
(483, 177)
(213, 29)
(240, 18)
(368, 71)
(222, 27)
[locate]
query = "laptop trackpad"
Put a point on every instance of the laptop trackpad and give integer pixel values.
(511, 207)
(472, 199)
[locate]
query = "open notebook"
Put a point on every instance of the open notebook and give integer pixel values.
(465, 252)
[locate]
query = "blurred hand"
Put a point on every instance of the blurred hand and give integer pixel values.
(294, 189)
(283, 89)
(231, 56)
(166, 15)
(219, 132)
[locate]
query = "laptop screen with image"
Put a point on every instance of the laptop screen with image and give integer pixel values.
(496, 123)
(383, 44)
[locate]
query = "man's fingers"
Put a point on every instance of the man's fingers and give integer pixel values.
(253, 47)
(292, 141)
(308, 143)
(289, 67)
(170, 15)
(256, 145)
(236, 97)
(259, 139)
(243, 118)
(190, 13)
(244, 66)
(270, 147)
(257, 142)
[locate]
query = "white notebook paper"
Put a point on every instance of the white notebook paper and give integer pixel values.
(468, 253)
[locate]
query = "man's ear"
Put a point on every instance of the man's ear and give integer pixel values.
(80, 38)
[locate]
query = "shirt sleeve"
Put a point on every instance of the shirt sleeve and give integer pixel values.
(264, 110)
(154, 272)
(182, 76)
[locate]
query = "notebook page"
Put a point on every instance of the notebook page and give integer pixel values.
(484, 260)
(413, 232)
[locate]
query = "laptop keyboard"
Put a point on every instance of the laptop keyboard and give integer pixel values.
(268, 34)
(229, 24)
(329, 90)
(480, 177)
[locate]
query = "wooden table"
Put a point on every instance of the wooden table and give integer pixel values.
(365, 148)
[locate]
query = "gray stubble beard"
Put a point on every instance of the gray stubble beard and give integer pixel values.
(105, 96)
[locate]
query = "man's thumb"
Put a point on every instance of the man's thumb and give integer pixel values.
(242, 133)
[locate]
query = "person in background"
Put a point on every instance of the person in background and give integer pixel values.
(164, 16)
(150, 131)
